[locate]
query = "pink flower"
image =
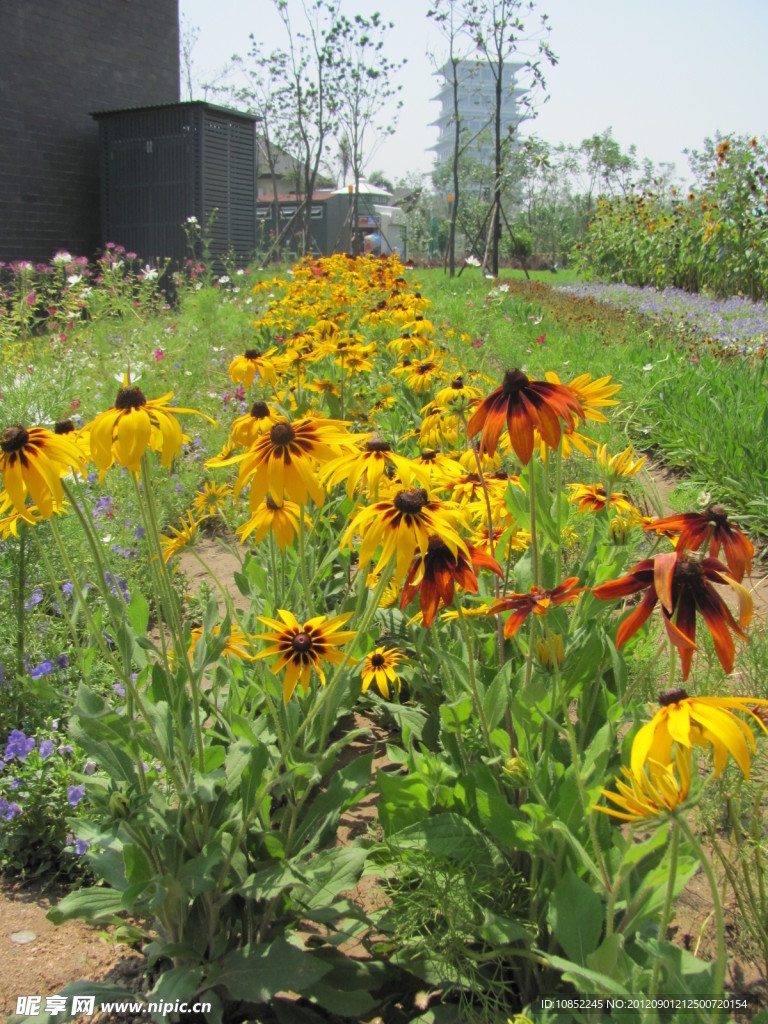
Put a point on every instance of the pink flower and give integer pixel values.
(158, 354)
(541, 339)
(31, 298)
(478, 343)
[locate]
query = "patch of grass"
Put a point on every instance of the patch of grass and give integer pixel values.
(688, 408)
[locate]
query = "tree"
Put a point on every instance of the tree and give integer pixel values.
(309, 89)
(499, 34)
(366, 80)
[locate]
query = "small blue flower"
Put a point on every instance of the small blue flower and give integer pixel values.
(18, 745)
(65, 748)
(67, 588)
(62, 661)
(9, 811)
(119, 689)
(16, 783)
(43, 669)
(140, 533)
(46, 749)
(81, 845)
(34, 598)
(75, 794)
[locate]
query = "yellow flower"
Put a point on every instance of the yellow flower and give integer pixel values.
(209, 499)
(32, 462)
(9, 524)
(457, 395)
(237, 644)
(593, 498)
(593, 395)
(178, 539)
(302, 648)
(658, 789)
(380, 668)
(282, 520)
(283, 461)
(401, 525)
(135, 423)
(249, 428)
(244, 368)
(687, 721)
(368, 463)
(626, 463)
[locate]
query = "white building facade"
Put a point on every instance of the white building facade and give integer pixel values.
(477, 100)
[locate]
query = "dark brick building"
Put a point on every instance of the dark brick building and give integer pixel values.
(59, 62)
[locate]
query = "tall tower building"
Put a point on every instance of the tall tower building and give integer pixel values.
(477, 99)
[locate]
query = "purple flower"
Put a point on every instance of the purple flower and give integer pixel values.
(46, 749)
(2, 765)
(34, 598)
(62, 661)
(43, 669)
(67, 588)
(16, 783)
(140, 533)
(81, 845)
(18, 745)
(65, 748)
(119, 689)
(9, 811)
(75, 794)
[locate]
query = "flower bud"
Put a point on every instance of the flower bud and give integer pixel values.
(516, 771)
(118, 805)
(619, 528)
(550, 650)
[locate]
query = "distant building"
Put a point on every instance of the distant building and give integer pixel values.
(59, 62)
(477, 100)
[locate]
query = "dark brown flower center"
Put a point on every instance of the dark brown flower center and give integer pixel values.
(63, 427)
(282, 433)
(259, 410)
(458, 383)
(429, 456)
(686, 570)
(718, 515)
(252, 353)
(672, 697)
(272, 504)
(411, 501)
(375, 444)
(514, 381)
(130, 398)
(377, 660)
(302, 642)
(13, 438)
(437, 546)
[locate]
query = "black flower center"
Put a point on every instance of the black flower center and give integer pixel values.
(130, 398)
(718, 515)
(377, 445)
(435, 546)
(301, 642)
(259, 410)
(13, 438)
(252, 353)
(282, 433)
(672, 697)
(272, 504)
(377, 660)
(411, 501)
(686, 570)
(63, 427)
(514, 381)
(429, 456)
(457, 384)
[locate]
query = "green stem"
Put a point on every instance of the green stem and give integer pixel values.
(303, 564)
(534, 538)
(666, 913)
(717, 906)
(64, 609)
(467, 635)
(558, 525)
(20, 610)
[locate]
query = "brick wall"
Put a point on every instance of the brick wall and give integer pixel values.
(58, 63)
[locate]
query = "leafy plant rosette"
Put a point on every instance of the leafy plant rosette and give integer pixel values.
(411, 535)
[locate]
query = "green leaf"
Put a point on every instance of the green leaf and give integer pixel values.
(575, 917)
(257, 973)
(496, 699)
(446, 835)
(138, 612)
(92, 905)
(586, 980)
(501, 931)
(103, 992)
(404, 800)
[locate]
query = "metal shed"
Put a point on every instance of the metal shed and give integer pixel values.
(161, 165)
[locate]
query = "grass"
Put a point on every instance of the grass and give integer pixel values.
(687, 407)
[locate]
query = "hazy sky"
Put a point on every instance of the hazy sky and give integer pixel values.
(663, 74)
